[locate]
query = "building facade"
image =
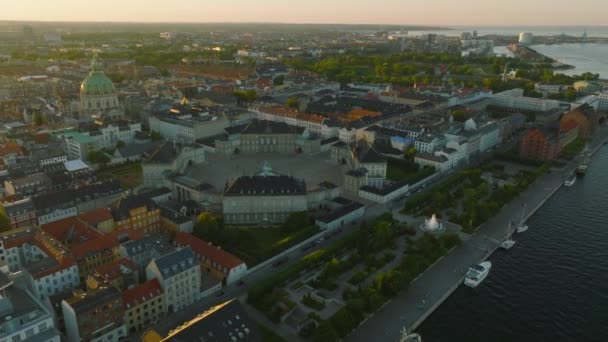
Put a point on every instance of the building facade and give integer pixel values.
(263, 199)
(179, 274)
(96, 316)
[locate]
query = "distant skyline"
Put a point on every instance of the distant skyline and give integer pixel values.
(398, 12)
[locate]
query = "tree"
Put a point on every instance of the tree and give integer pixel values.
(208, 227)
(98, 157)
(459, 115)
(246, 95)
(293, 102)
(279, 80)
(38, 119)
(155, 135)
(325, 332)
(5, 223)
(570, 94)
(120, 144)
(343, 321)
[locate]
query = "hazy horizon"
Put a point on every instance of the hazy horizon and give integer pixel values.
(357, 12)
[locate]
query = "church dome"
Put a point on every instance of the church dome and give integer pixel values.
(97, 83)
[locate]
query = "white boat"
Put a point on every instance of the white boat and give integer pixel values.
(522, 227)
(409, 337)
(508, 242)
(570, 181)
(477, 274)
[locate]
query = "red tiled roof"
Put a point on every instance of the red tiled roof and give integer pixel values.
(207, 250)
(73, 229)
(41, 138)
(142, 293)
(130, 234)
(94, 246)
(11, 147)
(96, 216)
(568, 125)
(292, 113)
(112, 270)
(10, 241)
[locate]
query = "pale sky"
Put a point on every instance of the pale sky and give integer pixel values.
(406, 12)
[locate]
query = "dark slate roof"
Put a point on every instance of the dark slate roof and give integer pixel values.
(86, 193)
(156, 243)
(385, 190)
(265, 127)
(156, 192)
(19, 207)
(174, 216)
(226, 322)
(94, 299)
(176, 262)
(164, 154)
(340, 212)
(370, 156)
(132, 150)
(265, 186)
(121, 211)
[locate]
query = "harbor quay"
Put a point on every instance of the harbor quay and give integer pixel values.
(431, 288)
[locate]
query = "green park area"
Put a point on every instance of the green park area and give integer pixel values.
(129, 175)
(254, 244)
(573, 149)
(470, 197)
(376, 267)
(405, 170)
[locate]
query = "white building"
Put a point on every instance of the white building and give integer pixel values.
(185, 123)
(179, 274)
(428, 142)
(514, 99)
(263, 199)
(602, 105)
(23, 317)
(48, 264)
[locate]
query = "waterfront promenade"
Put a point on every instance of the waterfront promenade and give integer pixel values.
(431, 288)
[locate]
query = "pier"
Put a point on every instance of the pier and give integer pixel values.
(426, 293)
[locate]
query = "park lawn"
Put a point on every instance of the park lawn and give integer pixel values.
(268, 335)
(573, 148)
(256, 244)
(400, 170)
(130, 175)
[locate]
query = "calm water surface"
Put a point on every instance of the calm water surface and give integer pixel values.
(552, 286)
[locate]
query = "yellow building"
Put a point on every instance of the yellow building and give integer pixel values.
(144, 305)
(137, 212)
(94, 253)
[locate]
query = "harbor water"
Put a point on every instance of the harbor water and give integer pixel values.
(551, 286)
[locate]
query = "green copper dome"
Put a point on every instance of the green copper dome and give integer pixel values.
(97, 83)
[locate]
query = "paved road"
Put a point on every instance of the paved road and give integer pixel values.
(434, 285)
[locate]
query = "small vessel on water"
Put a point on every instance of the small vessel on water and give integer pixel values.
(477, 273)
(522, 227)
(508, 242)
(409, 337)
(584, 165)
(570, 181)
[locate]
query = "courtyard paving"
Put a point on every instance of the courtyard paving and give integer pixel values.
(314, 169)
